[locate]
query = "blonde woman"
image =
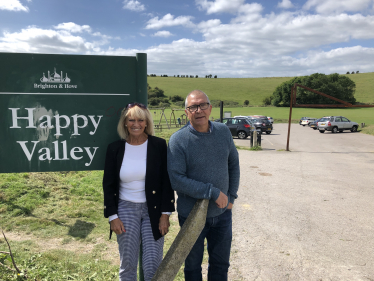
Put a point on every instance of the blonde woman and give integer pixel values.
(138, 198)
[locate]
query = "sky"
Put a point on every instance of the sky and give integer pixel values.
(227, 38)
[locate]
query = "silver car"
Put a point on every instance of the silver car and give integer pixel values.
(336, 124)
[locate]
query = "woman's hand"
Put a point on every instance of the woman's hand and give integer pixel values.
(117, 226)
(164, 224)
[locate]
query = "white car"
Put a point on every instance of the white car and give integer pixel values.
(307, 120)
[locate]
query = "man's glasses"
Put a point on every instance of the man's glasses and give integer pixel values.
(130, 105)
(194, 107)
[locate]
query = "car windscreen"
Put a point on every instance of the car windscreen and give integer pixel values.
(324, 119)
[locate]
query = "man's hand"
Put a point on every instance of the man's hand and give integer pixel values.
(117, 226)
(222, 200)
(229, 207)
(164, 224)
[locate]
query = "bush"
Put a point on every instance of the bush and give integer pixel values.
(246, 102)
(176, 98)
(267, 100)
(153, 101)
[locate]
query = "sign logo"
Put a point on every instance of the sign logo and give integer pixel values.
(55, 81)
(55, 78)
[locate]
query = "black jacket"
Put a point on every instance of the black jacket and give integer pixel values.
(158, 191)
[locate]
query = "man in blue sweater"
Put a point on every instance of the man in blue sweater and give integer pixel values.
(203, 163)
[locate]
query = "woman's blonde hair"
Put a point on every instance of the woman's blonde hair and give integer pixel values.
(137, 113)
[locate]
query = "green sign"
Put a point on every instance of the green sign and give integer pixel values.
(59, 112)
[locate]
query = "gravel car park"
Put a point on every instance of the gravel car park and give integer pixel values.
(336, 124)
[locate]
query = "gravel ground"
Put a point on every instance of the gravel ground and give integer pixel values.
(305, 214)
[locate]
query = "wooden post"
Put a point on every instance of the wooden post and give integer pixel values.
(293, 89)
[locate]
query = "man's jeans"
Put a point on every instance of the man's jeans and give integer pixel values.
(218, 232)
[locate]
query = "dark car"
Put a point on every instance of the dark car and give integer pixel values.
(239, 127)
(262, 124)
(314, 124)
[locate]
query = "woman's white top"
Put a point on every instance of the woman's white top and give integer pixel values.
(132, 174)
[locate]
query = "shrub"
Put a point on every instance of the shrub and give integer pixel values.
(176, 98)
(267, 100)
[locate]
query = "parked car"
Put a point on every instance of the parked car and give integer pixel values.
(239, 127)
(262, 124)
(336, 124)
(313, 124)
(306, 121)
(301, 119)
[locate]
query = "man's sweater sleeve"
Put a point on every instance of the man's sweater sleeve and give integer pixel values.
(234, 172)
(177, 168)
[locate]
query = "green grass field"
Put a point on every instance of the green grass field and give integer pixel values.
(56, 228)
(252, 89)
(281, 114)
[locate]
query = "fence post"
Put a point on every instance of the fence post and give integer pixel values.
(255, 138)
(183, 243)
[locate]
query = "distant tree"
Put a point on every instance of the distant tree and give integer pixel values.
(210, 75)
(155, 93)
(178, 75)
(206, 76)
(246, 102)
(197, 76)
(267, 100)
(215, 76)
(338, 86)
(353, 72)
(153, 101)
(347, 72)
(176, 98)
(357, 72)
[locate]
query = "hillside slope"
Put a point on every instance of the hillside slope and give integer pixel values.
(252, 89)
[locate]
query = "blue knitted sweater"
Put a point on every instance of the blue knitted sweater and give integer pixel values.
(200, 165)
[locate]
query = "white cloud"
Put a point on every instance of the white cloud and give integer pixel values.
(72, 27)
(285, 4)
(13, 5)
(250, 45)
(219, 6)
(37, 40)
(169, 20)
(133, 5)
(334, 6)
(163, 33)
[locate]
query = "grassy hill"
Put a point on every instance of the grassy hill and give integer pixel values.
(252, 89)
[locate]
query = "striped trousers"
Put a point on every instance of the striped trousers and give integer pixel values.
(135, 219)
